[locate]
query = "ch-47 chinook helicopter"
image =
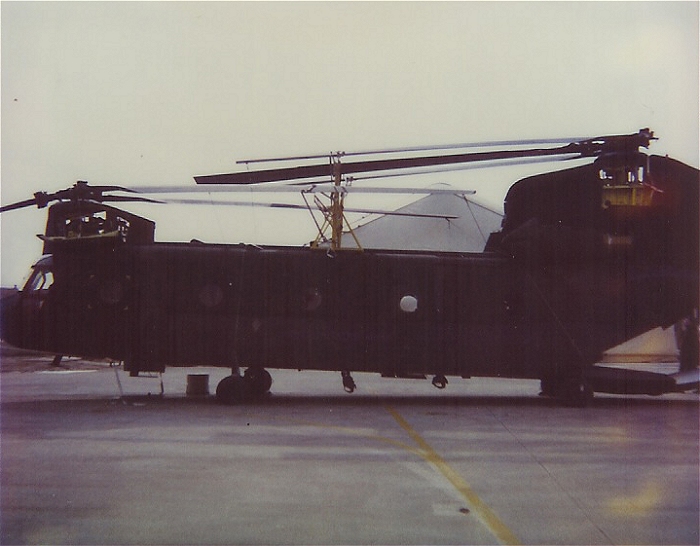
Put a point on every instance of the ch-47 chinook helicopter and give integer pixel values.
(587, 258)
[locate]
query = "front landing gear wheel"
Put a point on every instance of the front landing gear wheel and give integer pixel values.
(231, 390)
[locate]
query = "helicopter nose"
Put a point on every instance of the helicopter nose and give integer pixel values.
(9, 318)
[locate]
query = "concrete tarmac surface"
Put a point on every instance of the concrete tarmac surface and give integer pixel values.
(485, 461)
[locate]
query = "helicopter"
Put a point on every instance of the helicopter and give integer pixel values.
(585, 259)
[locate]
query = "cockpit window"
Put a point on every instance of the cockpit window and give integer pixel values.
(94, 223)
(40, 279)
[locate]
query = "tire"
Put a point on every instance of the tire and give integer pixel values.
(258, 381)
(574, 394)
(231, 390)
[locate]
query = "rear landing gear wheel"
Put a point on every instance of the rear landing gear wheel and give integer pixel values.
(547, 387)
(440, 381)
(348, 382)
(574, 393)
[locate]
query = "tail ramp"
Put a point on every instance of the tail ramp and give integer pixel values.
(627, 381)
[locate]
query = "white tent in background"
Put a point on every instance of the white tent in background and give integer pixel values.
(469, 233)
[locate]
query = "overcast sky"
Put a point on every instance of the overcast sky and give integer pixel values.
(138, 93)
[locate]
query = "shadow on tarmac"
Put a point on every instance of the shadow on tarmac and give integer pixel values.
(343, 400)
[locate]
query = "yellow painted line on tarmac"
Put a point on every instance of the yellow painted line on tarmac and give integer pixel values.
(425, 451)
(476, 505)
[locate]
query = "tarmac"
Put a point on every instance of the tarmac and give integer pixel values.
(89, 455)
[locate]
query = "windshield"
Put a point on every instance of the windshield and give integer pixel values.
(41, 277)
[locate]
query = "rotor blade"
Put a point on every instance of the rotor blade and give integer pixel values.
(327, 188)
(270, 175)
(19, 205)
(408, 149)
(374, 211)
(310, 188)
(305, 208)
(80, 191)
(326, 170)
(486, 144)
(102, 189)
(467, 167)
(124, 198)
(399, 213)
(586, 148)
(280, 188)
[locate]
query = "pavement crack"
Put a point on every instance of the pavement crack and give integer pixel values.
(476, 505)
(551, 476)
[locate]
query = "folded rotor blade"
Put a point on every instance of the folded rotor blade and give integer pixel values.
(467, 167)
(305, 208)
(269, 175)
(326, 170)
(288, 188)
(398, 213)
(409, 149)
(328, 188)
(586, 148)
(81, 191)
(125, 198)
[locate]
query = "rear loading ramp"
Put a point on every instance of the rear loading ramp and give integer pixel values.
(627, 381)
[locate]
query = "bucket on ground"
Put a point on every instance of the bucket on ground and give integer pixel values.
(197, 384)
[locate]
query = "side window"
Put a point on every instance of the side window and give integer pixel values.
(41, 279)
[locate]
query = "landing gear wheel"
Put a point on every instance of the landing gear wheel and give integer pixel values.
(258, 381)
(348, 382)
(688, 341)
(547, 387)
(440, 381)
(574, 393)
(231, 390)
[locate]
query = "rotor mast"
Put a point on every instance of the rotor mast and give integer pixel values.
(337, 201)
(334, 211)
